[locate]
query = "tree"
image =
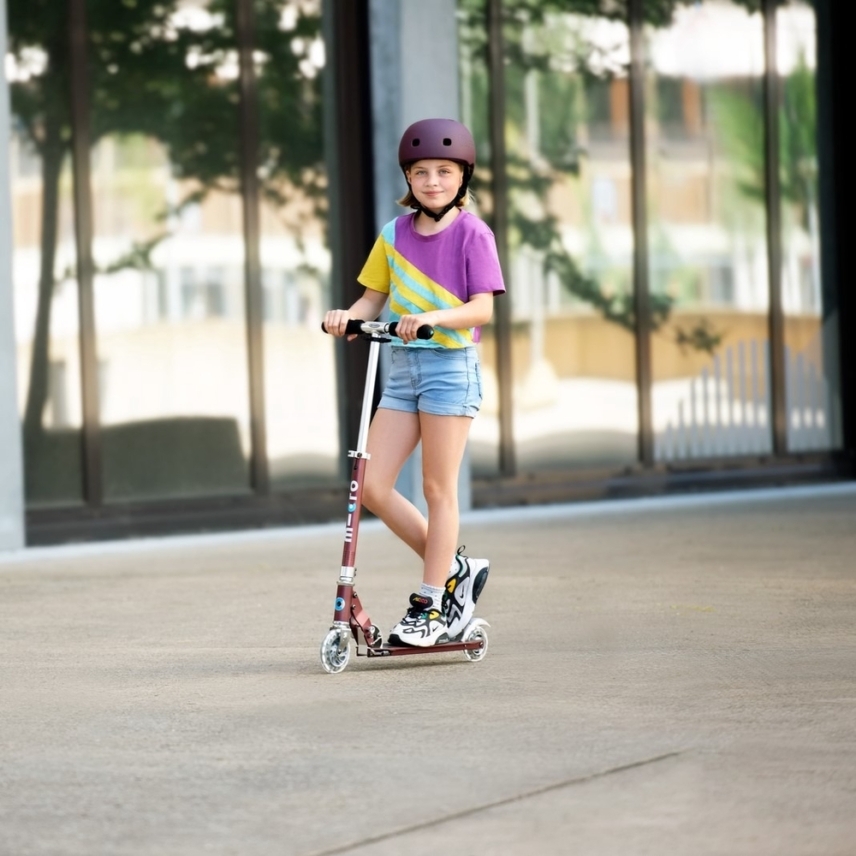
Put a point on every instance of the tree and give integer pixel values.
(156, 70)
(588, 67)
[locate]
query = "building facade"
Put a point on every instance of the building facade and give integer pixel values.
(187, 185)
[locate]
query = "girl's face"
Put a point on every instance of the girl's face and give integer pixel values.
(435, 183)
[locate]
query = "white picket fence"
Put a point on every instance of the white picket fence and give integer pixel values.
(726, 409)
(809, 405)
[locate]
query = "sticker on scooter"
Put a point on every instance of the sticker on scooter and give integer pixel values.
(352, 507)
(340, 604)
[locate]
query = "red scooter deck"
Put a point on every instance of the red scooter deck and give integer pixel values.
(403, 650)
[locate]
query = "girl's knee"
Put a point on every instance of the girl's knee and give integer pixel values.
(371, 497)
(376, 496)
(439, 493)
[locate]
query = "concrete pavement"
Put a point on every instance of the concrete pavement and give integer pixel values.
(664, 677)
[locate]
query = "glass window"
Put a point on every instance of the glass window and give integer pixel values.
(300, 370)
(570, 237)
(707, 231)
(168, 249)
(474, 94)
(44, 258)
(811, 354)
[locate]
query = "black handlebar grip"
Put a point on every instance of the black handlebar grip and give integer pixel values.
(353, 327)
(426, 331)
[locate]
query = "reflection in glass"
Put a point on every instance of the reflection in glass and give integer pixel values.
(44, 258)
(168, 249)
(812, 393)
(300, 373)
(570, 240)
(707, 240)
(474, 95)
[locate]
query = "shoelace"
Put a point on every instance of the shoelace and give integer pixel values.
(419, 611)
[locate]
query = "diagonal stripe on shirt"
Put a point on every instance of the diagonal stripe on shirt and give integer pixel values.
(414, 292)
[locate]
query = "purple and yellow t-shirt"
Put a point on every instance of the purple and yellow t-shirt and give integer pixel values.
(421, 273)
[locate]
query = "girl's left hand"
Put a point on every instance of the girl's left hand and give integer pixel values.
(409, 324)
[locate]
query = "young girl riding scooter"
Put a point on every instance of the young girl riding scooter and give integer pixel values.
(437, 266)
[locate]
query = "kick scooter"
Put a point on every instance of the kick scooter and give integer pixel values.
(351, 622)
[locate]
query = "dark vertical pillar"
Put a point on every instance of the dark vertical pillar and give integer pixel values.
(772, 96)
(639, 203)
(499, 190)
(249, 131)
(835, 144)
(352, 227)
(83, 224)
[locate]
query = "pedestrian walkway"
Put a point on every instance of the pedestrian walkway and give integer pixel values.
(666, 677)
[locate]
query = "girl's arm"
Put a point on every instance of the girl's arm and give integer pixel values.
(367, 308)
(477, 311)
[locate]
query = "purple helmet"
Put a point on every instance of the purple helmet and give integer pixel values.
(438, 138)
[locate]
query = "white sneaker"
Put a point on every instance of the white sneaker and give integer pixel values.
(467, 578)
(423, 625)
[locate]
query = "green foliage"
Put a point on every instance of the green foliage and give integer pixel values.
(149, 77)
(740, 121)
(798, 139)
(702, 337)
(573, 80)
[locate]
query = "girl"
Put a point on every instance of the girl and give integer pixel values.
(436, 266)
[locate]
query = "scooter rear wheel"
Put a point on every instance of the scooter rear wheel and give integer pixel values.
(336, 650)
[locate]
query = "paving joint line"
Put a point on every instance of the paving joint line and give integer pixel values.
(477, 809)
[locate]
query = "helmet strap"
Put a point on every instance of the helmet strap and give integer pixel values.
(436, 216)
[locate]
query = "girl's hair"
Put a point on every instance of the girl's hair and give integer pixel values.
(409, 200)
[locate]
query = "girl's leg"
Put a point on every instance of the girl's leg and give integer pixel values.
(444, 440)
(393, 435)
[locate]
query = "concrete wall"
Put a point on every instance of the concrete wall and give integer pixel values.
(414, 70)
(11, 460)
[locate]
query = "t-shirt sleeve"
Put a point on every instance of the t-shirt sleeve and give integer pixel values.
(375, 272)
(484, 275)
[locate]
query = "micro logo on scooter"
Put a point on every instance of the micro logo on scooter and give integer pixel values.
(352, 507)
(340, 604)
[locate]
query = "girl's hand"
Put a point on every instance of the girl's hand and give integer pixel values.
(409, 324)
(336, 320)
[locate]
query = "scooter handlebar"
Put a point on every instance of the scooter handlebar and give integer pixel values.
(358, 328)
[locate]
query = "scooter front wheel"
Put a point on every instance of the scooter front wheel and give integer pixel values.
(336, 650)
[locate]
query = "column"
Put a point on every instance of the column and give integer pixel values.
(11, 452)
(414, 70)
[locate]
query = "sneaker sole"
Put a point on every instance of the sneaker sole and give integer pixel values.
(479, 582)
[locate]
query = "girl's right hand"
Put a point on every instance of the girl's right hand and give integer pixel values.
(336, 320)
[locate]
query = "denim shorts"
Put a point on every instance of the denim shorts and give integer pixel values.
(439, 381)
